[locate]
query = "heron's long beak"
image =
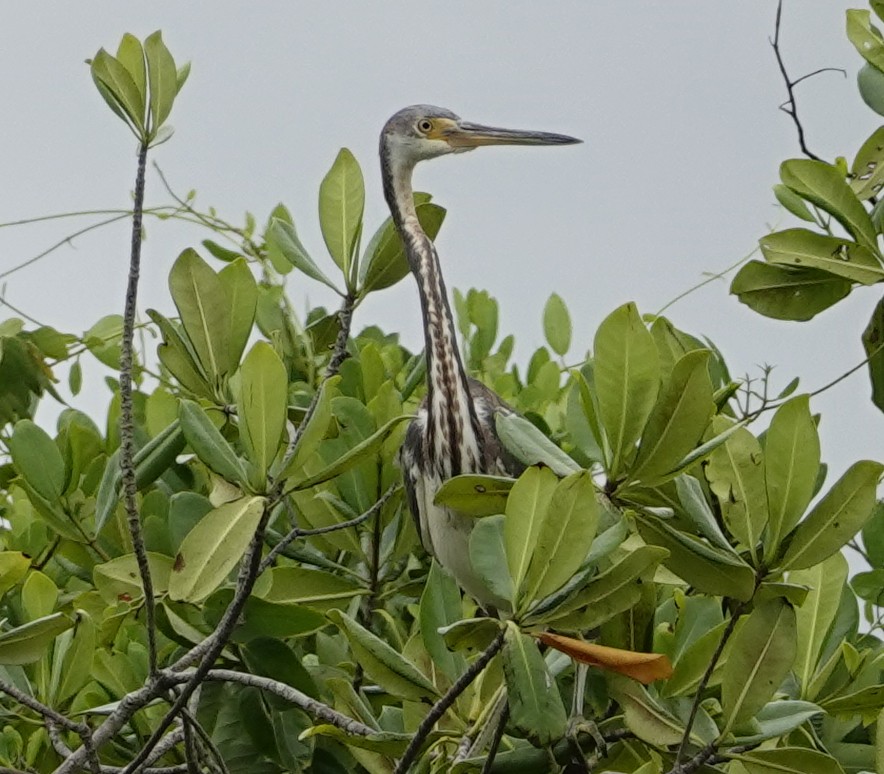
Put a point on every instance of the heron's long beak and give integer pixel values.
(466, 135)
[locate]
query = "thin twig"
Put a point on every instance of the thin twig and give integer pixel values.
(495, 740)
(441, 707)
(127, 422)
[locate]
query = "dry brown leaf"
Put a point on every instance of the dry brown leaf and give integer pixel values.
(644, 667)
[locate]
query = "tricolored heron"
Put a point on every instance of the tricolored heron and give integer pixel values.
(454, 431)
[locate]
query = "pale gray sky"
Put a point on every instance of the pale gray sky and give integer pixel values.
(677, 102)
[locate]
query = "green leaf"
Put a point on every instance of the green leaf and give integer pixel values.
(736, 475)
(489, 558)
(645, 716)
(13, 566)
(778, 718)
(530, 446)
(261, 618)
(163, 79)
(200, 298)
(385, 263)
(475, 495)
(760, 656)
(209, 445)
(814, 618)
(526, 510)
(363, 451)
(103, 340)
(824, 185)
(39, 595)
(801, 248)
(836, 518)
(242, 300)
(119, 83)
(440, 606)
(341, 202)
(261, 408)
(119, 579)
(870, 83)
(788, 760)
(865, 37)
(793, 203)
(318, 589)
(27, 643)
(784, 293)
(76, 667)
(311, 433)
(385, 743)
(37, 459)
(385, 666)
(274, 659)
(867, 170)
(678, 420)
(557, 325)
(697, 509)
(282, 236)
(858, 702)
(873, 344)
(564, 537)
(177, 356)
(791, 467)
(708, 569)
(627, 377)
(130, 54)
(213, 547)
(536, 708)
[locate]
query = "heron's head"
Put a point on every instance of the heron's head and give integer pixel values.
(423, 132)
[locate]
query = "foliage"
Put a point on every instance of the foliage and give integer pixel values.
(274, 566)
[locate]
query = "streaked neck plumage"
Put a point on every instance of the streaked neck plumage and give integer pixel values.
(454, 443)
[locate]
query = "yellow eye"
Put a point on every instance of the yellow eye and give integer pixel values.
(425, 125)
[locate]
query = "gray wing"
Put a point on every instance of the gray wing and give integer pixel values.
(410, 460)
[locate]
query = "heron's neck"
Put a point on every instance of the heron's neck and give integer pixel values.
(454, 441)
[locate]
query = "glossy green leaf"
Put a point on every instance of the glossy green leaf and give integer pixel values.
(526, 511)
(836, 518)
(341, 202)
(557, 325)
(627, 377)
(261, 618)
(475, 495)
(784, 293)
(130, 54)
(39, 595)
(565, 535)
(275, 659)
(13, 566)
(530, 446)
(814, 618)
(318, 589)
(698, 510)
(704, 567)
(119, 579)
(201, 300)
(119, 83)
(440, 606)
(536, 708)
(388, 668)
(867, 170)
(801, 248)
(643, 715)
(678, 420)
(761, 653)
(489, 557)
(178, 357)
(788, 760)
(262, 403)
(27, 643)
(76, 667)
(282, 236)
(37, 459)
(385, 262)
(363, 451)
(311, 433)
(163, 79)
(213, 547)
(242, 300)
(824, 185)
(873, 344)
(778, 718)
(209, 445)
(473, 634)
(736, 475)
(863, 701)
(791, 466)
(793, 203)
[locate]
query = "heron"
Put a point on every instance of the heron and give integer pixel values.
(454, 430)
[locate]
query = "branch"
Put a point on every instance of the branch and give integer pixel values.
(441, 707)
(790, 106)
(127, 428)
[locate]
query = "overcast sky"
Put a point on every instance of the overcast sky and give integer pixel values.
(677, 102)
